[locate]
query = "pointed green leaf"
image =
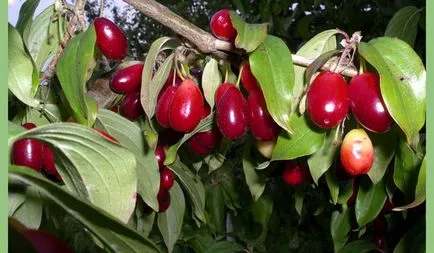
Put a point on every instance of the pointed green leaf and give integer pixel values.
(403, 24)
(211, 79)
(255, 182)
(25, 17)
(249, 36)
(370, 200)
(420, 194)
(340, 225)
(215, 208)
(332, 184)
(384, 150)
(29, 213)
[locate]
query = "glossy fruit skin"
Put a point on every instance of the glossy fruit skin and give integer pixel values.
(49, 164)
(163, 198)
(248, 80)
(357, 152)
(170, 82)
(131, 108)
(28, 152)
(110, 39)
(262, 125)
(232, 119)
(327, 99)
(266, 147)
(186, 108)
(163, 106)
(366, 103)
(221, 90)
(160, 155)
(221, 26)
(128, 79)
(29, 125)
(166, 179)
(295, 173)
(44, 242)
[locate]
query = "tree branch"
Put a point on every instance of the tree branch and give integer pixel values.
(204, 41)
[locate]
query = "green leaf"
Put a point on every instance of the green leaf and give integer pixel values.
(194, 187)
(152, 86)
(420, 194)
(407, 166)
(22, 77)
(224, 247)
(211, 79)
(130, 135)
(320, 161)
(215, 207)
(402, 82)
(115, 236)
(345, 191)
(403, 24)
(414, 240)
(15, 200)
(370, 200)
(226, 69)
(384, 150)
(45, 35)
(307, 139)
(204, 125)
(299, 198)
(14, 130)
(91, 166)
(29, 213)
(340, 225)
(261, 210)
(332, 184)
(25, 17)
(170, 221)
(360, 246)
(74, 69)
(255, 182)
(249, 36)
(271, 64)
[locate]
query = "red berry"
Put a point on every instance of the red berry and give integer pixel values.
(366, 103)
(327, 99)
(163, 198)
(295, 173)
(28, 152)
(195, 146)
(170, 82)
(166, 178)
(248, 79)
(160, 155)
(44, 242)
(163, 106)
(131, 108)
(262, 125)
(49, 163)
(128, 79)
(186, 108)
(357, 152)
(221, 26)
(221, 90)
(231, 117)
(29, 125)
(110, 40)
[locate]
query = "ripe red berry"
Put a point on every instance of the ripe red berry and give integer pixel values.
(221, 90)
(166, 178)
(110, 40)
(327, 99)
(170, 82)
(221, 26)
(49, 164)
(262, 125)
(232, 119)
(163, 198)
(44, 242)
(160, 155)
(295, 173)
(357, 152)
(29, 125)
(366, 103)
(131, 108)
(163, 106)
(248, 79)
(186, 108)
(128, 79)
(28, 152)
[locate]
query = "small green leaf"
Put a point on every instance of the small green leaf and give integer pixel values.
(14, 130)
(332, 184)
(345, 191)
(255, 182)
(261, 210)
(249, 36)
(25, 17)
(79, 57)
(22, 77)
(403, 24)
(215, 208)
(15, 200)
(271, 64)
(211, 79)
(299, 198)
(224, 247)
(114, 235)
(370, 200)
(170, 221)
(420, 194)
(360, 246)
(340, 225)
(414, 240)
(402, 82)
(29, 213)
(307, 139)
(384, 150)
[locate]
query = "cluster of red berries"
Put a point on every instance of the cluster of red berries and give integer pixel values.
(166, 180)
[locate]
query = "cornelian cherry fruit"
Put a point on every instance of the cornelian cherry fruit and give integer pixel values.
(248, 80)
(163, 198)
(28, 152)
(221, 90)
(160, 155)
(163, 106)
(131, 108)
(221, 26)
(232, 119)
(295, 173)
(110, 39)
(166, 178)
(262, 125)
(128, 79)
(357, 152)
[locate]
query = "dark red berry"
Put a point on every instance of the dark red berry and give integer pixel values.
(128, 79)
(131, 108)
(29, 125)
(28, 152)
(221, 26)
(163, 198)
(163, 106)
(195, 146)
(327, 99)
(166, 178)
(248, 80)
(231, 117)
(49, 164)
(170, 82)
(44, 242)
(295, 173)
(366, 103)
(160, 155)
(262, 125)
(110, 40)
(186, 108)
(221, 90)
